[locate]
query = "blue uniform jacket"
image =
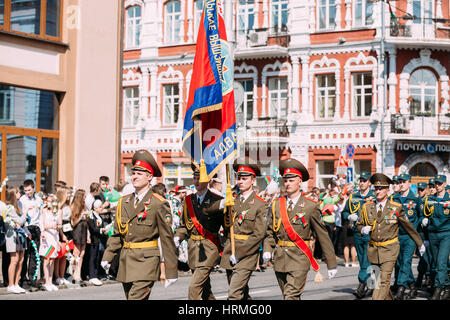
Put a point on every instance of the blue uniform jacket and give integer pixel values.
(412, 206)
(355, 203)
(437, 211)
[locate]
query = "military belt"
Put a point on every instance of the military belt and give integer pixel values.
(283, 243)
(384, 243)
(239, 236)
(140, 245)
(197, 237)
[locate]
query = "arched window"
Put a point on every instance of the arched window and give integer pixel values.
(423, 92)
(173, 22)
(423, 169)
(134, 18)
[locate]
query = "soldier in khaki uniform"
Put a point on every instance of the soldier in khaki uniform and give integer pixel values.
(203, 215)
(141, 219)
(293, 219)
(381, 219)
(249, 225)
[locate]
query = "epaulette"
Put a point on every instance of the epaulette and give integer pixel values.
(310, 199)
(159, 197)
(395, 203)
(368, 202)
(258, 197)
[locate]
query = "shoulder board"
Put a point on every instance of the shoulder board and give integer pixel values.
(258, 197)
(159, 197)
(277, 199)
(125, 198)
(310, 199)
(395, 203)
(367, 203)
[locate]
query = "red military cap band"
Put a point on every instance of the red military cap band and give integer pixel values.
(143, 165)
(292, 171)
(246, 170)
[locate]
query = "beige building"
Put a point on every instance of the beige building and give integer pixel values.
(60, 62)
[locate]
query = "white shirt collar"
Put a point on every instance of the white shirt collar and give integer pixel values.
(246, 196)
(294, 200)
(383, 204)
(200, 198)
(141, 196)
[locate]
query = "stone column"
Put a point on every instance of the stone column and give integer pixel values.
(153, 92)
(392, 80)
(295, 84)
(306, 108)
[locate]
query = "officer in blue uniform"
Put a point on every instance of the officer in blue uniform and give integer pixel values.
(403, 269)
(431, 187)
(437, 221)
(395, 186)
(424, 266)
(351, 212)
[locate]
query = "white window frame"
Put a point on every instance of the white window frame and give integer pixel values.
(327, 6)
(135, 23)
(364, 5)
(422, 87)
(172, 21)
(325, 175)
(364, 88)
(131, 104)
(277, 6)
(197, 16)
(423, 19)
(248, 97)
(326, 96)
(244, 12)
(171, 100)
(278, 91)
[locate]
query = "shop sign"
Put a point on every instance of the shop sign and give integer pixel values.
(429, 147)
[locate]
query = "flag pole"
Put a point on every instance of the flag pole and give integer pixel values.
(229, 203)
(202, 168)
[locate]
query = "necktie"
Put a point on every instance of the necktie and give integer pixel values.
(136, 201)
(289, 209)
(380, 211)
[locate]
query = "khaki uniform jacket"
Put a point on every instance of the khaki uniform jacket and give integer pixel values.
(202, 253)
(287, 259)
(384, 228)
(253, 226)
(143, 263)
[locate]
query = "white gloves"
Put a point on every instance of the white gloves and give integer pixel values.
(353, 217)
(332, 273)
(105, 265)
(424, 222)
(169, 282)
(422, 249)
(233, 260)
(267, 256)
(176, 240)
(365, 230)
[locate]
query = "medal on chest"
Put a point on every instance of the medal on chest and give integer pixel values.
(142, 215)
(410, 207)
(300, 216)
(446, 208)
(242, 217)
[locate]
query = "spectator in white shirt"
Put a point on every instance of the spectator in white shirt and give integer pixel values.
(31, 205)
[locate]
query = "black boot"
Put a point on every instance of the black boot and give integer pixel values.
(400, 295)
(360, 291)
(419, 280)
(412, 291)
(436, 294)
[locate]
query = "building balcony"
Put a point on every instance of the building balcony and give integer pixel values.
(423, 126)
(262, 43)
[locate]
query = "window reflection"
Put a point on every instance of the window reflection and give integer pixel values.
(26, 16)
(49, 164)
(52, 18)
(21, 159)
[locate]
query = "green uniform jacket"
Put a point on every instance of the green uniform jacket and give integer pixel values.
(202, 253)
(287, 259)
(143, 263)
(384, 228)
(437, 210)
(250, 221)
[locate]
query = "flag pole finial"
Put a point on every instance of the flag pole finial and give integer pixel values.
(203, 172)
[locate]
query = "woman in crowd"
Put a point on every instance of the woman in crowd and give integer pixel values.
(79, 232)
(65, 233)
(16, 243)
(51, 222)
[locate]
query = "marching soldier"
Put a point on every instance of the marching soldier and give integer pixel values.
(203, 215)
(403, 269)
(140, 220)
(381, 219)
(293, 219)
(437, 222)
(351, 212)
(395, 186)
(431, 187)
(249, 225)
(424, 266)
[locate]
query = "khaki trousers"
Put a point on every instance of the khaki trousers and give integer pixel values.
(138, 290)
(382, 289)
(292, 283)
(200, 286)
(238, 284)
